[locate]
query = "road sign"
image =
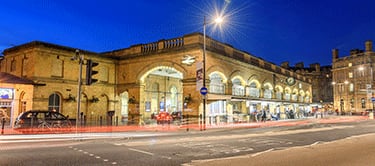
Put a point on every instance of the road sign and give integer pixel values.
(373, 99)
(203, 90)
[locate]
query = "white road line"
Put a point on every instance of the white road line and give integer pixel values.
(141, 151)
(315, 143)
(259, 153)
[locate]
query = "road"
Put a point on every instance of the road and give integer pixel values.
(284, 145)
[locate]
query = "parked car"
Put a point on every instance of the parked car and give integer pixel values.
(163, 117)
(41, 119)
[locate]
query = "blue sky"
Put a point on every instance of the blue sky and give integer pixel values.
(275, 30)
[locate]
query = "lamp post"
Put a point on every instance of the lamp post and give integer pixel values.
(80, 58)
(218, 20)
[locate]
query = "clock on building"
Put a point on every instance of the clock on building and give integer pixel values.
(290, 81)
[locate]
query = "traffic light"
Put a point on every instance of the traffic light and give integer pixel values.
(90, 72)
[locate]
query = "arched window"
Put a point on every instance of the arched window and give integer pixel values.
(216, 84)
(54, 102)
(237, 88)
(254, 91)
(267, 92)
(279, 93)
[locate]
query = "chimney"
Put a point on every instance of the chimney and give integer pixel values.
(317, 67)
(335, 54)
(285, 65)
(300, 65)
(368, 46)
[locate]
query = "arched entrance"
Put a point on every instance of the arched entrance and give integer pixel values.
(161, 91)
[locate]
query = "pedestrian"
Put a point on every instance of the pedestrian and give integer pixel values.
(264, 116)
(257, 115)
(3, 115)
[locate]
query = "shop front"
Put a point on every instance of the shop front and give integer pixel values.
(15, 97)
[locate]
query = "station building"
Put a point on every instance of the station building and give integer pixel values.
(143, 79)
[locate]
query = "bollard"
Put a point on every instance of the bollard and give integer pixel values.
(187, 122)
(81, 119)
(84, 120)
(2, 125)
(200, 122)
(116, 121)
(101, 121)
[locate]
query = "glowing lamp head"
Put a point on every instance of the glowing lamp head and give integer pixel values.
(219, 20)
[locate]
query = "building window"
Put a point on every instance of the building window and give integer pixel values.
(174, 98)
(363, 103)
(350, 74)
(13, 65)
(54, 102)
(279, 95)
(216, 84)
(237, 88)
(253, 90)
(350, 65)
(268, 92)
(24, 67)
(351, 87)
(57, 67)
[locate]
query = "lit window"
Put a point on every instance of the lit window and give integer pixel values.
(350, 65)
(350, 74)
(351, 87)
(363, 103)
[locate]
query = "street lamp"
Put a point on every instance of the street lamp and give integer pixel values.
(80, 59)
(217, 20)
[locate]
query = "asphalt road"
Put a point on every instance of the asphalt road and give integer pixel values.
(211, 147)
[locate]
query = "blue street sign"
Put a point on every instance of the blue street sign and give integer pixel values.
(203, 90)
(372, 99)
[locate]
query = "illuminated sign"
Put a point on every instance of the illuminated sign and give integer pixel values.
(6, 93)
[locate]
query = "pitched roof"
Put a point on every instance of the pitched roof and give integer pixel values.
(12, 79)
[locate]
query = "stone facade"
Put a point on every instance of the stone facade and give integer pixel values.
(353, 80)
(142, 79)
(321, 82)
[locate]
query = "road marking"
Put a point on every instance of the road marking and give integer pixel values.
(141, 151)
(242, 136)
(315, 143)
(259, 153)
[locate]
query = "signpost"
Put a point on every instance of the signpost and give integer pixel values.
(203, 91)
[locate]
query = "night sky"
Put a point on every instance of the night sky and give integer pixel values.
(275, 30)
